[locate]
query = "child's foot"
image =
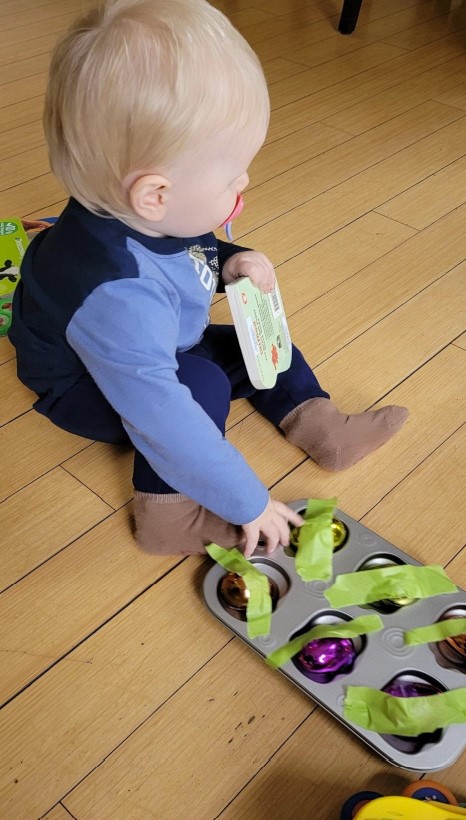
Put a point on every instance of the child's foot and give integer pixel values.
(335, 440)
(173, 524)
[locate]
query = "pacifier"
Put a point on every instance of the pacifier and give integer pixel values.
(239, 205)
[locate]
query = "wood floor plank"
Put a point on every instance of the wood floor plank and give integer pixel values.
(106, 470)
(22, 113)
(325, 214)
(328, 101)
(23, 37)
(243, 720)
(307, 765)
(330, 262)
(71, 595)
(38, 12)
(328, 74)
(34, 195)
(294, 150)
(461, 341)
(31, 446)
(376, 347)
(43, 518)
(319, 52)
(57, 813)
(302, 41)
(24, 69)
(24, 167)
(85, 706)
(23, 89)
(402, 21)
(36, 47)
(455, 96)
(17, 398)
(279, 68)
(51, 209)
(430, 199)
(21, 139)
(429, 31)
(345, 313)
(285, 192)
(431, 84)
(442, 476)
(7, 350)
(361, 488)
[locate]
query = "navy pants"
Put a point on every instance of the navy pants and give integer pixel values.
(214, 372)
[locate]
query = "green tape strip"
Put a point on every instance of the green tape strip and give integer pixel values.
(433, 633)
(259, 608)
(348, 629)
(388, 583)
(314, 557)
(409, 717)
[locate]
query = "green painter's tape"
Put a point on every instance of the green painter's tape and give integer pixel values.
(388, 583)
(449, 628)
(409, 717)
(259, 608)
(314, 557)
(348, 629)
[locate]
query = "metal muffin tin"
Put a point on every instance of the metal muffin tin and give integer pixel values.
(382, 656)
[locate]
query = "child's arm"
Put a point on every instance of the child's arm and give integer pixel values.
(126, 335)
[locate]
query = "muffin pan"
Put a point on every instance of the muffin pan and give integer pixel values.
(380, 660)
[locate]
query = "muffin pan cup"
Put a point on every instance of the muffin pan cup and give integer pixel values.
(383, 655)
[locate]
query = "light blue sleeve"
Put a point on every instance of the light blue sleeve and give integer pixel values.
(125, 333)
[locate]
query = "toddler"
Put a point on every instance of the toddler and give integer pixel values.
(154, 111)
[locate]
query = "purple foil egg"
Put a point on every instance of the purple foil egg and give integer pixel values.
(324, 658)
(411, 689)
(401, 688)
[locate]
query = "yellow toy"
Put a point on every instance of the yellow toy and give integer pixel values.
(421, 800)
(406, 808)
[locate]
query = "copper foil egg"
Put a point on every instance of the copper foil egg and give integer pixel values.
(234, 594)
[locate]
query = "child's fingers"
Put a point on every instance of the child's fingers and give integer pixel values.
(250, 541)
(290, 515)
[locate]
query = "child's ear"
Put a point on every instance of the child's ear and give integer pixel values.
(148, 197)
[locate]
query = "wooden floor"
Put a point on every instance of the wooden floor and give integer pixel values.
(123, 697)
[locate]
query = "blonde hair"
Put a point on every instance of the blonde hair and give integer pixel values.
(134, 83)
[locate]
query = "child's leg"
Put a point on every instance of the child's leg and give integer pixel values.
(166, 521)
(304, 412)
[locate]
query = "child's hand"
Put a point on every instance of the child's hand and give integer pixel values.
(253, 264)
(271, 526)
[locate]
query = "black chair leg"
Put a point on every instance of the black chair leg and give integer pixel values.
(349, 16)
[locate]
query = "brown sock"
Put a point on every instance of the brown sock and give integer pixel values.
(335, 440)
(171, 524)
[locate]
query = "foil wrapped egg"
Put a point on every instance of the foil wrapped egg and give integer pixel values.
(391, 604)
(453, 648)
(402, 688)
(234, 594)
(324, 658)
(339, 532)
